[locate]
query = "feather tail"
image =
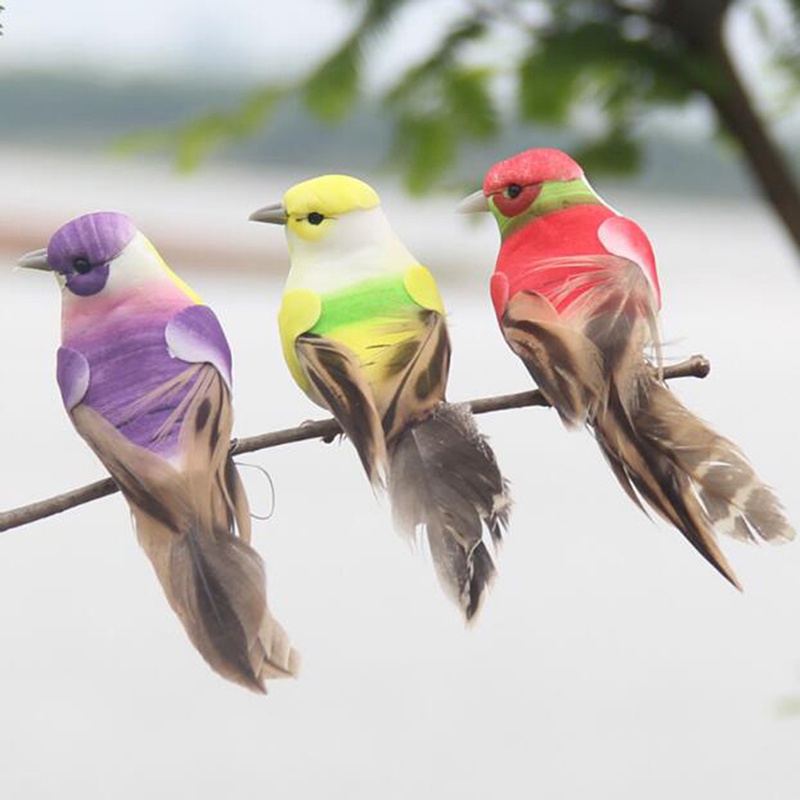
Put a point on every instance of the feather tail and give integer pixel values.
(695, 478)
(443, 475)
(215, 584)
(213, 580)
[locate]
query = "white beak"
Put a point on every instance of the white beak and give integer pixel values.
(36, 259)
(473, 203)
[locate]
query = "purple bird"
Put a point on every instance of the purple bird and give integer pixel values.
(145, 375)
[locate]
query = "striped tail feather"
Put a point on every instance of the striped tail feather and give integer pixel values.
(215, 584)
(184, 519)
(443, 476)
(588, 361)
(698, 480)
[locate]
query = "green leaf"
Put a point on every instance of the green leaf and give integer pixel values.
(567, 64)
(331, 91)
(379, 13)
(789, 707)
(197, 141)
(548, 86)
(256, 110)
(419, 79)
(194, 141)
(470, 102)
(146, 141)
(616, 153)
(425, 148)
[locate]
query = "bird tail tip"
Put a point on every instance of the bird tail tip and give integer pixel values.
(444, 477)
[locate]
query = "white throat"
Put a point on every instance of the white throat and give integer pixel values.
(357, 246)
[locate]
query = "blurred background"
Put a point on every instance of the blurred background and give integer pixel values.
(609, 661)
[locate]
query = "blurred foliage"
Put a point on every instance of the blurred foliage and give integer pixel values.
(194, 141)
(789, 707)
(612, 61)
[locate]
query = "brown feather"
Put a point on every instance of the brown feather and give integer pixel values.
(733, 499)
(652, 472)
(414, 388)
(444, 477)
(566, 366)
(659, 451)
(335, 374)
(184, 515)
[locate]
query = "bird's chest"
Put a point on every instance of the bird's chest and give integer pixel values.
(379, 323)
(551, 255)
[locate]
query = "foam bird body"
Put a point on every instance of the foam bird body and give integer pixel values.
(363, 333)
(145, 374)
(576, 293)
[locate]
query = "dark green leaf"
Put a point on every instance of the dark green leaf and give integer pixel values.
(547, 86)
(615, 153)
(332, 89)
(424, 147)
(418, 79)
(470, 103)
(379, 13)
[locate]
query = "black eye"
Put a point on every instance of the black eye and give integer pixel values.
(81, 265)
(315, 218)
(514, 190)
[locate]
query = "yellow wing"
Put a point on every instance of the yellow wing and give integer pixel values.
(421, 285)
(416, 373)
(300, 310)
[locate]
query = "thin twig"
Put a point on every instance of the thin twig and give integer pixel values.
(694, 367)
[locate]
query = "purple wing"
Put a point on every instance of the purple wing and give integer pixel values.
(72, 374)
(195, 335)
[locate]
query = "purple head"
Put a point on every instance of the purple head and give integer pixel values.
(81, 250)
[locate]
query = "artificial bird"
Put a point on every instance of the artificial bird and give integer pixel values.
(363, 332)
(144, 370)
(576, 293)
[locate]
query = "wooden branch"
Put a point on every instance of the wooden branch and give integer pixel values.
(694, 367)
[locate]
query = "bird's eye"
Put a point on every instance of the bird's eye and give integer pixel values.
(315, 218)
(81, 265)
(514, 190)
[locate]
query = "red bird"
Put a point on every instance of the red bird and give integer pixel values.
(576, 294)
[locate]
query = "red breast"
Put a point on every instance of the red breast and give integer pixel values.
(571, 232)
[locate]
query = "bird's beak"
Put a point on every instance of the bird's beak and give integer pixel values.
(473, 203)
(36, 259)
(276, 214)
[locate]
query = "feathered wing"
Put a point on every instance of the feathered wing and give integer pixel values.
(658, 450)
(566, 366)
(414, 373)
(334, 373)
(184, 517)
(443, 475)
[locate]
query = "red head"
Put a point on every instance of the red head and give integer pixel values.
(539, 165)
(515, 182)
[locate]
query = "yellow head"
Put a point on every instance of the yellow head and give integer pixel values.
(312, 206)
(336, 231)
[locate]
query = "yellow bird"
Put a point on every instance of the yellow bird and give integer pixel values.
(363, 333)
